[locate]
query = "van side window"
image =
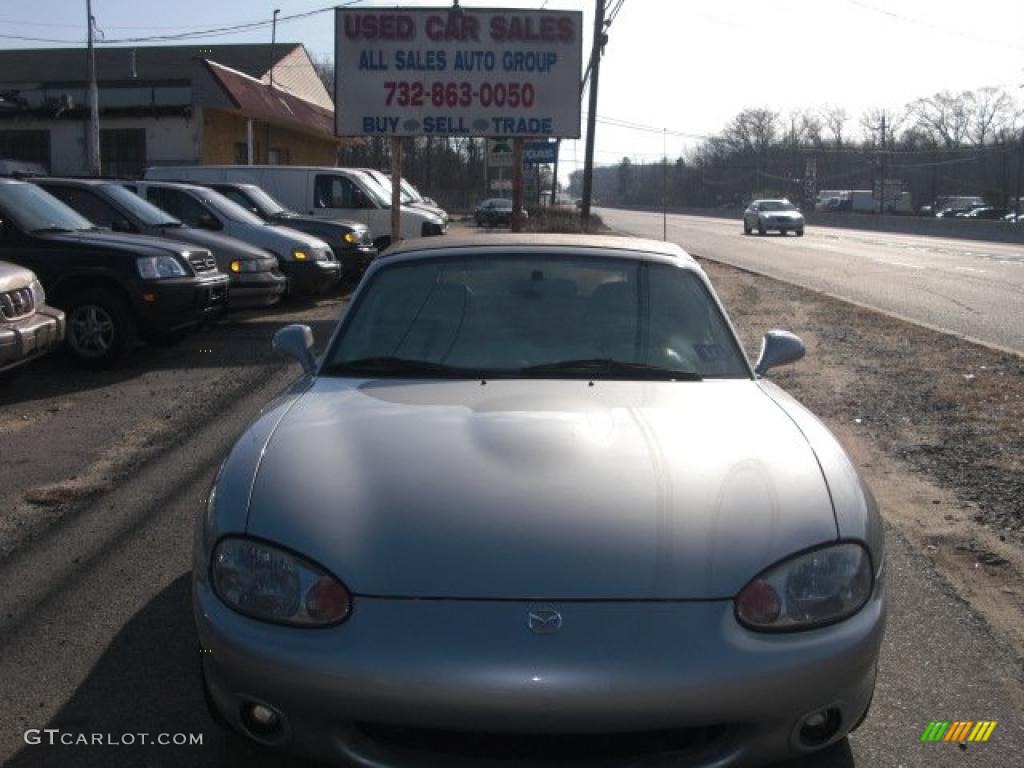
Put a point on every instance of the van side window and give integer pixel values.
(333, 191)
(176, 203)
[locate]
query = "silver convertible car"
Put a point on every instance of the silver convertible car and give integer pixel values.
(533, 504)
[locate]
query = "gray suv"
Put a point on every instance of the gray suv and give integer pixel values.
(28, 327)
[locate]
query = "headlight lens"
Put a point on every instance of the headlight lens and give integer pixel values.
(38, 294)
(270, 584)
(815, 588)
(350, 237)
(158, 267)
(299, 255)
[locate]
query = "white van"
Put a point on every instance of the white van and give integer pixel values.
(340, 193)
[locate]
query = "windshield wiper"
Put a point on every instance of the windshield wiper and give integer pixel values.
(53, 228)
(615, 368)
(389, 365)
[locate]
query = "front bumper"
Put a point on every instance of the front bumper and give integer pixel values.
(25, 340)
(356, 259)
(257, 289)
(311, 278)
(782, 225)
(165, 306)
(473, 666)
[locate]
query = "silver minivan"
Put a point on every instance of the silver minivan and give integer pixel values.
(307, 261)
(336, 193)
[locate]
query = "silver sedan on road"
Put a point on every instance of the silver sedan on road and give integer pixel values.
(533, 504)
(778, 215)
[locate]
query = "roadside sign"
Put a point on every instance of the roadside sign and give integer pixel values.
(457, 72)
(501, 185)
(499, 153)
(539, 152)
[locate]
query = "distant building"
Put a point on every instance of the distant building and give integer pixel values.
(179, 105)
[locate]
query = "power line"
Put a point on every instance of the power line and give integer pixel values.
(919, 22)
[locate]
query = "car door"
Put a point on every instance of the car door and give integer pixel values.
(338, 197)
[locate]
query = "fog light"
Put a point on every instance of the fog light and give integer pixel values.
(818, 727)
(261, 720)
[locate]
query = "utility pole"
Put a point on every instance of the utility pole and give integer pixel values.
(517, 184)
(881, 182)
(273, 61)
(664, 184)
(1020, 172)
(92, 142)
(595, 68)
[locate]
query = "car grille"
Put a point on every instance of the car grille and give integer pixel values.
(202, 262)
(571, 748)
(17, 304)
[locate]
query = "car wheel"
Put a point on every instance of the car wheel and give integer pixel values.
(100, 328)
(761, 230)
(746, 228)
(799, 233)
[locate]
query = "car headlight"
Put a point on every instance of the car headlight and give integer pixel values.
(267, 583)
(350, 237)
(159, 267)
(818, 587)
(38, 294)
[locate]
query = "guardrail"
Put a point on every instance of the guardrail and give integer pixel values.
(968, 229)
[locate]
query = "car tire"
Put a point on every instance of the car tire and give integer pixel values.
(761, 230)
(100, 328)
(799, 233)
(746, 229)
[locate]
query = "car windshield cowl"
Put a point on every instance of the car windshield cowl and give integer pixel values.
(590, 368)
(603, 367)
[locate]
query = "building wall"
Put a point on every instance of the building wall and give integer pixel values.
(169, 140)
(223, 131)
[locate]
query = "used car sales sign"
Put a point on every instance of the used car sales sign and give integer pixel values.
(464, 72)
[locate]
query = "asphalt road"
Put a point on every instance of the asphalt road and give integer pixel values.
(95, 617)
(971, 288)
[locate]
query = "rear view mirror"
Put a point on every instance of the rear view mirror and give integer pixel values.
(779, 348)
(297, 341)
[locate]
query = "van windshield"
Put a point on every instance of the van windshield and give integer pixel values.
(230, 209)
(374, 190)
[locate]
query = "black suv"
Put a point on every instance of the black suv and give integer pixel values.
(256, 280)
(350, 241)
(114, 288)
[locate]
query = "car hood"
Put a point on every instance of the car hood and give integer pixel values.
(783, 214)
(283, 239)
(222, 247)
(540, 489)
(140, 245)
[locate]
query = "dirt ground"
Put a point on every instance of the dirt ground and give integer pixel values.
(936, 424)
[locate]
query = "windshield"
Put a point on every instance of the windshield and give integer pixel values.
(34, 210)
(536, 315)
(145, 211)
(374, 189)
(410, 192)
(777, 205)
(230, 209)
(260, 199)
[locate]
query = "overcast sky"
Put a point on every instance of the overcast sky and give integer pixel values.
(684, 65)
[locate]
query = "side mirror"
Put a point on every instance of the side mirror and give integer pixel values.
(207, 221)
(297, 341)
(779, 348)
(121, 225)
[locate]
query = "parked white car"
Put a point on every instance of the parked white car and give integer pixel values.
(336, 193)
(307, 261)
(410, 195)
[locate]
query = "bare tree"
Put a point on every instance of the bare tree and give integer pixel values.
(835, 119)
(871, 122)
(946, 117)
(752, 130)
(989, 109)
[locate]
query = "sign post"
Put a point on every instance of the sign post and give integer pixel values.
(517, 185)
(396, 190)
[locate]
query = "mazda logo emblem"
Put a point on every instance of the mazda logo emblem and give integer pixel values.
(544, 620)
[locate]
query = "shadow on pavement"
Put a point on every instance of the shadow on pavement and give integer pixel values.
(147, 681)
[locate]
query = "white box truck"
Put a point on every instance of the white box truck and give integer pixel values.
(337, 193)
